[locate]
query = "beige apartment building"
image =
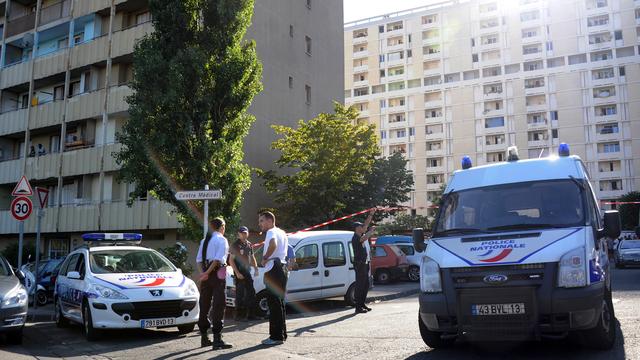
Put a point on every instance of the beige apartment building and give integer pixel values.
(472, 77)
(65, 66)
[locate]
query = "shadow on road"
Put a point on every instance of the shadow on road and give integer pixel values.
(312, 328)
(624, 279)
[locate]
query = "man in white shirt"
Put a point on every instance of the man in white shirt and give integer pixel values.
(275, 278)
(212, 262)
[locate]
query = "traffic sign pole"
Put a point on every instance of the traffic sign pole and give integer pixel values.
(206, 214)
(35, 294)
(20, 241)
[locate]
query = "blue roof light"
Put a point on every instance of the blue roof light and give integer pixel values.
(466, 162)
(563, 150)
(112, 237)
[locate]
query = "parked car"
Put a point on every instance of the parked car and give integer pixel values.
(413, 258)
(388, 263)
(47, 272)
(324, 269)
(628, 253)
(14, 297)
(393, 239)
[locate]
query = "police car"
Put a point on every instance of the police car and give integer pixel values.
(112, 283)
(519, 253)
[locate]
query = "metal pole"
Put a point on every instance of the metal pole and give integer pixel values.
(20, 241)
(205, 220)
(35, 294)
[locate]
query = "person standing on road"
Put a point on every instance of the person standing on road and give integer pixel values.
(211, 259)
(242, 260)
(361, 261)
(275, 277)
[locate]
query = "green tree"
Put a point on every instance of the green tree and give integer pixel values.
(28, 253)
(403, 223)
(629, 213)
(324, 159)
(194, 78)
(179, 256)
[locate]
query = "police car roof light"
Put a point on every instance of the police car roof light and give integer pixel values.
(512, 153)
(466, 162)
(114, 238)
(563, 150)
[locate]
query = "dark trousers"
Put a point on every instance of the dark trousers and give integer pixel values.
(362, 283)
(212, 304)
(276, 282)
(245, 296)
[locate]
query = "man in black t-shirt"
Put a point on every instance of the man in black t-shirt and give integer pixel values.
(242, 260)
(361, 262)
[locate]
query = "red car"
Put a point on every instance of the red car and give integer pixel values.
(388, 263)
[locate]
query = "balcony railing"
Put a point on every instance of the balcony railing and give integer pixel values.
(55, 11)
(21, 24)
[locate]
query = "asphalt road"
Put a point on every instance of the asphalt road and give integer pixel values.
(328, 330)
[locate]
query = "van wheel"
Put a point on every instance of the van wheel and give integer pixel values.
(90, 333)
(383, 276)
(186, 329)
(261, 307)
(433, 339)
(61, 321)
(350, 296)
(603, 336)
(413, 273)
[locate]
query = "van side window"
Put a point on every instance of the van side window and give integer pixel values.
(594, 209)
(333, 254)
(307, 257)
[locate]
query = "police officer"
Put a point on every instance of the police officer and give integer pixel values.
(361, 259)
(242, 260)
(211, 258)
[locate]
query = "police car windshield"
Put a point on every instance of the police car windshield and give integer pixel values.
(519, 206)
(118, 261)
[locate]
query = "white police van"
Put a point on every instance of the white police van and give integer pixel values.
(114, 284)
(518, 252)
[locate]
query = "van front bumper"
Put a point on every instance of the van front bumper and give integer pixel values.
(549, 311)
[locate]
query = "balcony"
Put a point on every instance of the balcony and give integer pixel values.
(491, 61)
(361, 83)
(53, 12)
(124, 41)
(82, 8)
(608, 136)
(435, 170)
(48, 114)
(364, 113)
(393, 78)
(435, 152)
(109, 161)
(609, 155)
(433, 71)
(495, 147)
(489, 30)
(495, 130)
(50, 64)
(89, 52)
(493, 96)
(493, 112)
(599, 28)
(360, 69)
(537, 125)
(607, 118)
(537, 107)
(399, 140)
(18, 73)
(397, 124)
(396, 47)
(78, 218)
(600, 45)
(611, 194)
(433, 40)
(397, 108)
(395, 62)
(83, 161)
(431, 55)
(86, 105)
(434, 187)
(612, 99)
(603, 81)
(151, 214)
(360, 40)
(431, 25)
(535, 90)
(598, 10)
(430, 104)
(611, 174)
(434, 136)
(490, 46)
(21, 24)
(393, 33)
(538, 143)
(361, 54)
(13, 121)
(533, 56)
(10, 171)
(43, 167)
(532, 40)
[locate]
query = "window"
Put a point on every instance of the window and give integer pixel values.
(308, 43)
(473, 42)
(409, 53)
(290, 82)
(379, 251)
(291, 30)
(494, 122)
(549, 45)
(307, 257)
(143, 18)
(530, 15)
(333, 254)
(78, 38)
(309, 4)
(611, 148)
(554, 133)
(622, 71)
(618, 34)
(401, 133)
(307, 91)
(69, 265)
(383, 103)
(381, 29)
(58, 93)
(474, 57)
(383, 134)
(80, 267)
(412, 131)
(54, 143)
(408, 250)
(554, 115)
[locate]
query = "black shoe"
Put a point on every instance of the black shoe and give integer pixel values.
(367, 308)
(361, 311)
(204, 340)
(219, 344)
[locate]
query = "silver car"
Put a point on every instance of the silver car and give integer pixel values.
(13, 309)
(628, 253)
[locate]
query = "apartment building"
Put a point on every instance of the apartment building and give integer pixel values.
(472, 77)
(65, 66)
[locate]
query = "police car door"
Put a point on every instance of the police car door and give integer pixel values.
(305, 282)
(63, 284)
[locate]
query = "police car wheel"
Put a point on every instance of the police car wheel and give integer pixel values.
(262, 308)
(603, 336)
(413, 273)
(433, 339)
(61, 321)
(186, 329)
(90, 332)
(350, 296)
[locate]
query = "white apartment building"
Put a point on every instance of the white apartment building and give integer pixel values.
(472, 77)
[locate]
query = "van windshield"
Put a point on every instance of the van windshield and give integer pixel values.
(519, 206)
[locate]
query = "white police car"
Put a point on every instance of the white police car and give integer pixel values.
(113, 284)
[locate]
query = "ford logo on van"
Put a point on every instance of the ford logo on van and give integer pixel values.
(495, 279)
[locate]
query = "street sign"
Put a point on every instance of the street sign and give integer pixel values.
(199, 195)
(43, 195)
(23, 188)
(21, 208)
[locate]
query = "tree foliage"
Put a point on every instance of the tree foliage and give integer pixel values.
(194, 78)
(403, 223)
(629, 213)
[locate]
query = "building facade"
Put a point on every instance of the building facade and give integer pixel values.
(472, 77)
(65, 66)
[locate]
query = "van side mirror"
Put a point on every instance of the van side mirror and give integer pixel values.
(74, 275)
(612, 224)
(418, 239)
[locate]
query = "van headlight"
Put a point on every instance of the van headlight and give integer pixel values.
(15, 298)
(108, 293)
(430, 281)
(572, 269)
(190, 290)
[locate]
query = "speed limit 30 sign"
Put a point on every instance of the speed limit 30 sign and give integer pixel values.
(21, 208)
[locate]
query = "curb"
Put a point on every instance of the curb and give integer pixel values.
(393, 296)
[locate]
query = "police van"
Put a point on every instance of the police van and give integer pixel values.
(113, 283)
(518, 253)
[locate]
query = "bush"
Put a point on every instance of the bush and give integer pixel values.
(179, 256)
(11, 253)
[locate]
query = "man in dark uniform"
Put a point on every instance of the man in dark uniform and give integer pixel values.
(361, 260)
(242, 260)
(212, 258)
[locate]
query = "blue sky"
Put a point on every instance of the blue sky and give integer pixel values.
(359, 9)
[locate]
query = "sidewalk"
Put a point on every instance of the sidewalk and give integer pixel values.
(393, 291)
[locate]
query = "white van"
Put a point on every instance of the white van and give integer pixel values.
(518, 252)
(324, 262)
